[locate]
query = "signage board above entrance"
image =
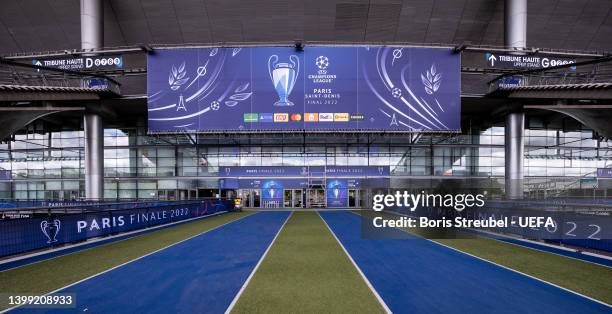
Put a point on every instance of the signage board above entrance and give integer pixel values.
(319, 88)
(296, 171)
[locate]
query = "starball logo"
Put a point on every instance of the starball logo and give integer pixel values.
(322, 64)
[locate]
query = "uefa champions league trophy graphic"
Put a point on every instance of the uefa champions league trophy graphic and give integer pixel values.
(283, 76)
(50, 230)
(272, 193)
(336, 191)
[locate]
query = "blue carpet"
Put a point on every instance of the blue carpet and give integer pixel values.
(201, 275)
(417, 276)
(68, 250)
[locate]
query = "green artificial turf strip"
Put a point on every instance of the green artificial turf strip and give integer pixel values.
(49, 275)
(586, 278)
(583, 277)
(306, 271)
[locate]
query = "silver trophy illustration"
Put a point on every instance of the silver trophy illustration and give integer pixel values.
(50, 229)
(271, 193)
(283, 76)
(336, 192)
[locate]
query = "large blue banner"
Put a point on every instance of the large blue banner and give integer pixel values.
(317, 89)
(38, 231)
(304, 171)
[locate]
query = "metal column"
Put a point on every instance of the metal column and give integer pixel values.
(92, 24)
(515, 31)
(515, 24)
(515, 147)
(94, 156)
(92, 37)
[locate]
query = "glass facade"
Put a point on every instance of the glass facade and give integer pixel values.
(49, 165)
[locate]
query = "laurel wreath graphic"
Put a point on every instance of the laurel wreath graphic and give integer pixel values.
(239, 95)
(177, 77)
(431, 80)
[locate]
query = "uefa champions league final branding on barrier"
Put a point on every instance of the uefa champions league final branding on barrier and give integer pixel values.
(320, 88)
(60, 229)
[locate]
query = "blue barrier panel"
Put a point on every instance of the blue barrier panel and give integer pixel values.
(39, 231)
(586, 228)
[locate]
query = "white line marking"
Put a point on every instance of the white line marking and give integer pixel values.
(136, 259)
(95, 240)
(368, 283)
(493, 235)
(597, 255)
(533, 242)
(246, 283)
(508, 268)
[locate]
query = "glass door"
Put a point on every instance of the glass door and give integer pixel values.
(316, 198)
(251, 198)
(293, 198)
(287, 198)
(353, 198)
(297, 196)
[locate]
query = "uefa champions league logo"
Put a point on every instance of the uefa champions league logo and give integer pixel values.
(283, 76)
(322, 62)
(50, 229)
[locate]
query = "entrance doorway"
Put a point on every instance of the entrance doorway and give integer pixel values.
(251, 198)
(315, 198)
(354, 198)
(293, 198)
(166, 195)
(207, 193)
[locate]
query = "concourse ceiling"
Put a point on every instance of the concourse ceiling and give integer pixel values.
(47, 25)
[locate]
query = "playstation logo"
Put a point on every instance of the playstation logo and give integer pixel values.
(50, 229)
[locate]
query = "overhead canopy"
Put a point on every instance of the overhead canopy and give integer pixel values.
(43, 25)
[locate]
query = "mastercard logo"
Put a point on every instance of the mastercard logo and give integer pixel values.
(296, 117)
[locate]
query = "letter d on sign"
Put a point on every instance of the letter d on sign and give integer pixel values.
(88, 62)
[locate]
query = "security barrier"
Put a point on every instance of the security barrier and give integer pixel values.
(28, 229)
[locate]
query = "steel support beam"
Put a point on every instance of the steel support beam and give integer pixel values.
(515, 36)
(514, 159)
(515, 24)
(92, 24)
(94, 156)
(92, 37)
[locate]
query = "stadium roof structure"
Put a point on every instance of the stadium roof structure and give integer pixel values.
(45, 25)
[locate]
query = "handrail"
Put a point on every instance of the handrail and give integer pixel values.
(87, 204)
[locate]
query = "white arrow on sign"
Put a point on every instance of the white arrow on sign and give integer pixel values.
(492, 59)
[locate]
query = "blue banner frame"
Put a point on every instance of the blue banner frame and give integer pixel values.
(322, 88)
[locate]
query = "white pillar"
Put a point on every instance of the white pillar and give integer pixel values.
(94, 156)
(515, 24)
(92, 37)
(515, 36)
(515, 154)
